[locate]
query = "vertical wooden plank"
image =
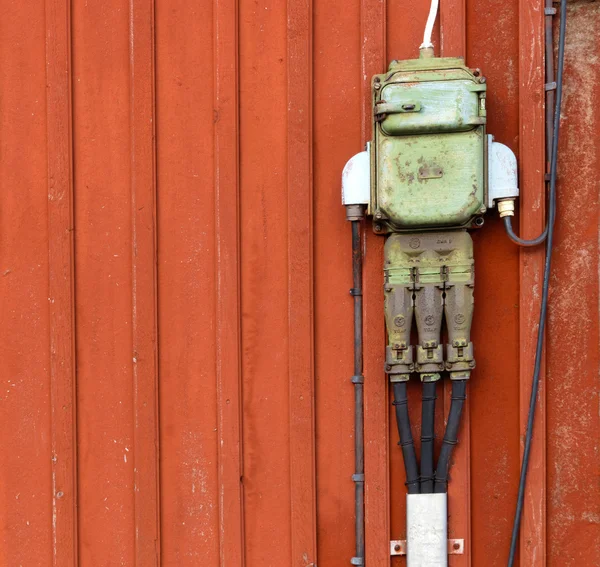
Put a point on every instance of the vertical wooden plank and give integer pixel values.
(143, 284)
(573, 419)
(532, 168)
(453, 28)
(300, 283)
(26, 497)
(377, 496)
(102, 176)
(61, 283)
(227, 276)
(494, 386)
(189, 407)
(453, 40)
(336, 137)
(265, 280)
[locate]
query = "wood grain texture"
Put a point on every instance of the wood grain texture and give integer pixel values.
(191, 478)
(144, 284)
(300, 283)
(453, 28)
(61, 283)
(104, 272)
(531, 176)
(227, 277)
(573, 421)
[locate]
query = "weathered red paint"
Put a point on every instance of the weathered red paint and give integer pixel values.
(176, 340)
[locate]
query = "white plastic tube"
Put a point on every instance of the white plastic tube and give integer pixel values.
(433, 10)
(427, 530)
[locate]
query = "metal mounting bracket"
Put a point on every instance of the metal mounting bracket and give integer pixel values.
(455, 547)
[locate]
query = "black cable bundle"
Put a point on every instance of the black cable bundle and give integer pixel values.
(427, 436)
(406, 440)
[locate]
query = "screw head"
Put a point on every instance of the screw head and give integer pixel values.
(388, 367)
(398, 548)
(377, 227)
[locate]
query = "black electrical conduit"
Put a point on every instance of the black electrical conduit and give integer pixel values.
(428, 482)
(358, 380)
(545, 286)
(427, 436)
(459, 395)
(406, 439)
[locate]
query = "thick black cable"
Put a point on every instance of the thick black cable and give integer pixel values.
(522, 241)
(357, 379)
(427, 436)
(459, 389)
(545, 287)
(406, 439)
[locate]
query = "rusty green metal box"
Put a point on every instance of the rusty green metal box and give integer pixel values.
(428, 156)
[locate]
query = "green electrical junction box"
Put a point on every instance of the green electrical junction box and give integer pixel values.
(428, 156)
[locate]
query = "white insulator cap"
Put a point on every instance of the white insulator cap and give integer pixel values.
(356, 180)
(503, 180)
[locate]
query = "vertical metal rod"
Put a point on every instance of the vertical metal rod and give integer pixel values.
(358, 381)
(549, 48)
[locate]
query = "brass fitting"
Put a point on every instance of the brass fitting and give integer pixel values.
(506, 208)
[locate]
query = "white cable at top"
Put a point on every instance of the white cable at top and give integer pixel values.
(429, 27)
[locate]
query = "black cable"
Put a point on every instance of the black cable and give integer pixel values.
(549, 134)
(357, 379)
(406, 440)
(522, 241)
(427, 436)
(545, 286)
(459, 389)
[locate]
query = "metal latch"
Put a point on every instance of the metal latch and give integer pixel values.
(383, 108)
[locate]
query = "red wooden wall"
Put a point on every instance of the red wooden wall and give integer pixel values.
(176, 329)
